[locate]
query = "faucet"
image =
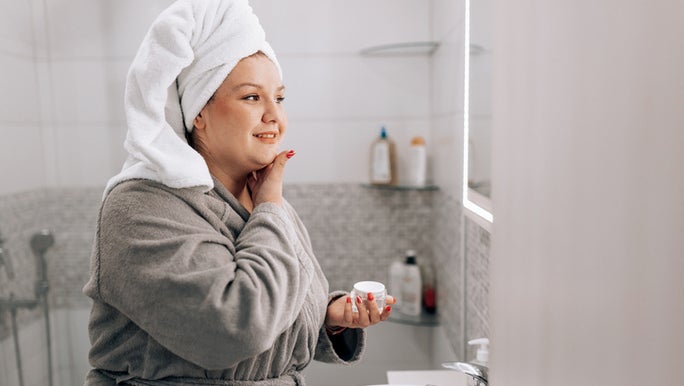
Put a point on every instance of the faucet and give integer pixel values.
(477, 369)
(477, 372)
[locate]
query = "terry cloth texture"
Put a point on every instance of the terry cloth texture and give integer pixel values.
(187, 53)
(189, 288)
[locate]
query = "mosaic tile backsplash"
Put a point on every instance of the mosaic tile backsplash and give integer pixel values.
(477, 242)
(356, 231)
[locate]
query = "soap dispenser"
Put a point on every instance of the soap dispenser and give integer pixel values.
(482, 355)
(481, 362)
(383, 164)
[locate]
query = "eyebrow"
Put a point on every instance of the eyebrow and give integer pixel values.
(249, 84)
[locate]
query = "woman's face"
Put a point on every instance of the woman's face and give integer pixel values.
(241, 127)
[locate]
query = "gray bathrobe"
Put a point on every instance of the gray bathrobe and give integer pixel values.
(189, 288)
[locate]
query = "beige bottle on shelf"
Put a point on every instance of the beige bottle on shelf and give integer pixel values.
(417, 165)
(382, 168)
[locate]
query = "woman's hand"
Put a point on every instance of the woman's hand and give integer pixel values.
(266, 184)
(340, 314)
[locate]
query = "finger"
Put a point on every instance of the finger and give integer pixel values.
(348, 314)
(282, 157)
(363, 320)
(386, 313)
(390, 300)
(373, 313)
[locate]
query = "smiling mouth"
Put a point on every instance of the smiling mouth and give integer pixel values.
(266, 136)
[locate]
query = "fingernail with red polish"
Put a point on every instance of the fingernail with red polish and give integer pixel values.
(370, 296)
(358, 299)
(290, 154)
(348, 299)
(388, 309)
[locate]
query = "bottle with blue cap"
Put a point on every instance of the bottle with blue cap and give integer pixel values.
(383, 169)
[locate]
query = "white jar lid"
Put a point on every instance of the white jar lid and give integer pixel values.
(369, 286)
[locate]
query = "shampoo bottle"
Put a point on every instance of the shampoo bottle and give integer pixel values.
(383, 160)
(417, 167)
(411, 286)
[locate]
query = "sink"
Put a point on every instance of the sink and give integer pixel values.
(427, 377)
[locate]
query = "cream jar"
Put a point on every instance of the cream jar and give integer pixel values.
(363, 288)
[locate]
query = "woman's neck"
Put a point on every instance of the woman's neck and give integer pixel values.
(237, 185)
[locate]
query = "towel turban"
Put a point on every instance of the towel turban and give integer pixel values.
(187, 53)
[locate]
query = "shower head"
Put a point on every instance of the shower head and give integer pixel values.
(41, 241)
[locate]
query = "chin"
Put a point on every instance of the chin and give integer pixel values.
(265, 160)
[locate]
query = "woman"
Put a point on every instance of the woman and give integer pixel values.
(201, 273)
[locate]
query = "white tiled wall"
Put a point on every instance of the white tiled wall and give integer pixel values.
(299, 27)
(67, 74)
(337, 99)
(447, 95)
(21, 160)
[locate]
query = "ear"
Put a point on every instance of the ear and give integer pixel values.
(199, 121)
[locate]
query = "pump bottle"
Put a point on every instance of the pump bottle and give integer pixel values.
(383, 169)
(411, 286)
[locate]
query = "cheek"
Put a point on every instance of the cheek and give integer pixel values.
(284, 124)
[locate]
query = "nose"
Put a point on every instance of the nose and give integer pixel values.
(274, 112)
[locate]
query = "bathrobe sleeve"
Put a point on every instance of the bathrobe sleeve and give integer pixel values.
(344, 348)
(209, 296)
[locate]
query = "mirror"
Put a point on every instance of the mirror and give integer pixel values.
(477, 110)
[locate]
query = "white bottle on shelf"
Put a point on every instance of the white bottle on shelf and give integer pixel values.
(411, 294)
(417, 164)
(396, 279)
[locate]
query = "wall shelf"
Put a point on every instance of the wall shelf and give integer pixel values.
(426, 48)
(401, 187)
(423, 319)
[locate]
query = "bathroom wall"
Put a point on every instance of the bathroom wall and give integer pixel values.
(79, 52)
(64, 105)
(64, 66)
(20, 108)
(587, 258)
(71, 214)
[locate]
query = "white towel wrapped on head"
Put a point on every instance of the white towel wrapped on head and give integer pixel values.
(187, 53)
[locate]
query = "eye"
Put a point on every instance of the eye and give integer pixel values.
(252, 97)
(280, 99)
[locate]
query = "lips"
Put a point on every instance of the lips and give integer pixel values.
(269, 135)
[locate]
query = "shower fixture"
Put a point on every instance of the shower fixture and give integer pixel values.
(5, 260)
(40, 243)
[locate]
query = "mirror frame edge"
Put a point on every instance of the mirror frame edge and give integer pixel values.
(479, 207)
